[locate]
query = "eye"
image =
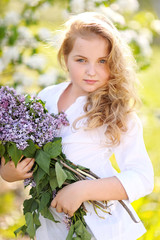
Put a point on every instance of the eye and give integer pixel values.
(103, 61)
(81, 60)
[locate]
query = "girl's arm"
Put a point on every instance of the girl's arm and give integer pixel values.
(70, 198)
(10, 173)
(104, 189)
(135, 180)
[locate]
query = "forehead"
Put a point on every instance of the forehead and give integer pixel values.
(92, 45)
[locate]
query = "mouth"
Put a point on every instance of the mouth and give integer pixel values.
(90, 81)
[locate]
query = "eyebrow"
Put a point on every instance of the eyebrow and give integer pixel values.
(86, 57)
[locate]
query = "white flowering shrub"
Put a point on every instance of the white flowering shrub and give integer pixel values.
(127, 18)
(22, 65)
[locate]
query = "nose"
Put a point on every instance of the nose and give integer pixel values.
(90, 70)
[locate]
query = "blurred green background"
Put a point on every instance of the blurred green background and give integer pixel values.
(28, 46)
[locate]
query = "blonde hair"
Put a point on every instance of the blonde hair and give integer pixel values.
(109, 104)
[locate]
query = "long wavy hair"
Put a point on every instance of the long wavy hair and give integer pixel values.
(111, 103)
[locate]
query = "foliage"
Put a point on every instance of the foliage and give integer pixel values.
(51, 170)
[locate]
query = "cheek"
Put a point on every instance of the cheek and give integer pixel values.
(76, 68)
(105, 72)
(107, 75)
(75, 72)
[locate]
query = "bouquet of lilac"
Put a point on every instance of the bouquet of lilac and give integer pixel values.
(27, 129)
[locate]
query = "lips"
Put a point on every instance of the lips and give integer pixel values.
(89, 81)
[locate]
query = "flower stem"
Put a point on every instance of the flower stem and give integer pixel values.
(73, 170)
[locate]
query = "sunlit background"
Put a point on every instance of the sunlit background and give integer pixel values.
(28, 45)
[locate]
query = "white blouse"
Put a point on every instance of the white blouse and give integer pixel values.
(87, 148)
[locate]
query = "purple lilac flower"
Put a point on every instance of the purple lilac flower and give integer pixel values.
(33, 183)
(67, 220)
(29, 181)
(21, 121)
(54, 193)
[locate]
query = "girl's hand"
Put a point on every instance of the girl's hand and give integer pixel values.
(10, 173)
(69, 198)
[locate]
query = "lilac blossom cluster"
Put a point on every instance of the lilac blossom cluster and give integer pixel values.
(22, 120)
(67, 220)
(29, 181)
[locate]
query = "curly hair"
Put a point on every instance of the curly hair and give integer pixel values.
(111, 103)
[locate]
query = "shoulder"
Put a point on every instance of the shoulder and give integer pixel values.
(134, 123)
(134, 132)
(51, 91)
(131, 140)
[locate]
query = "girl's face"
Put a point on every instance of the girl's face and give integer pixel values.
(87, 64)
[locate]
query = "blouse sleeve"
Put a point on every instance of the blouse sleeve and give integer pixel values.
(136, 174)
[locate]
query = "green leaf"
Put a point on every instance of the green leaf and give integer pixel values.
(53, 180)
(70, 176)
(3, 31)
(20, 229)
(60, 174)
(43, 160)
(41, 187)
(32, 192)
(14, 153)
(30, 150)
(44, 200)
(36, 219)
(43, 104)
(2, 150)
(13, 36)
(54, 149)
(27, 98)
(39, 175)
(30, 224)
(70, 233)
(30, 205)
(47, 214)
(6, 156)
(81, 230)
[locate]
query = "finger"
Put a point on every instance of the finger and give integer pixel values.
(3, 161)
(25, 162)
(59, 209)
(29, 166)
(70, 214)
(28, 175)
(53, 203)
(66, 211)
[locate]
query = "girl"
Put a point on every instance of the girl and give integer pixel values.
(99, 102)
